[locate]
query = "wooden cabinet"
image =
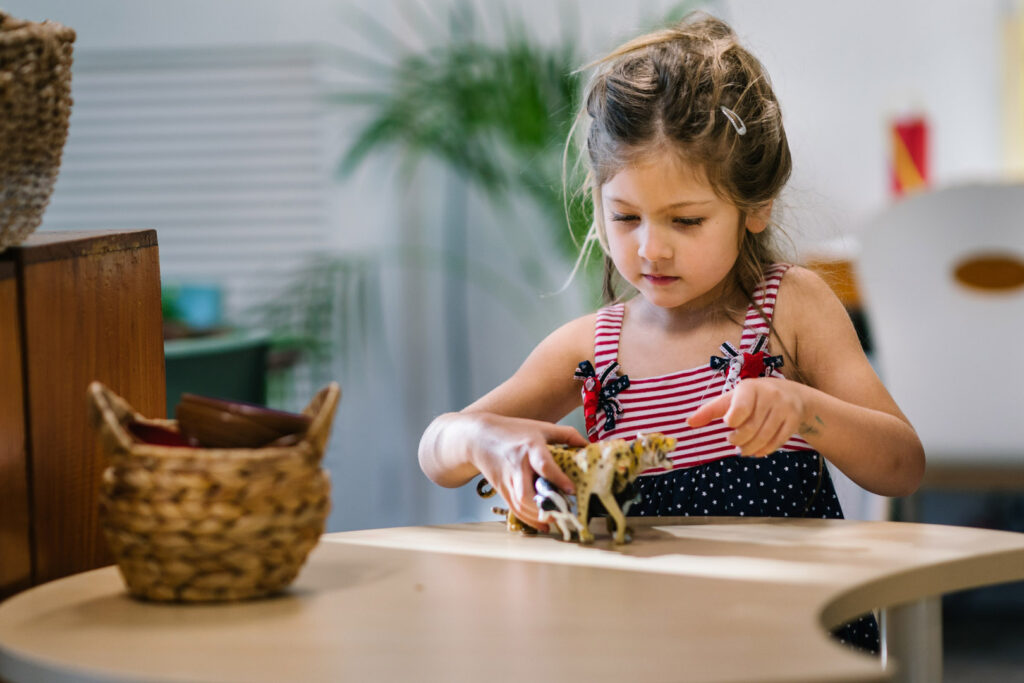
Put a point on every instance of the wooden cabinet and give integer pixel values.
(15, 554)
(74, 307)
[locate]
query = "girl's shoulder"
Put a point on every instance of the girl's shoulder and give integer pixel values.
(582, 327)
(808, 313)
(800, 286)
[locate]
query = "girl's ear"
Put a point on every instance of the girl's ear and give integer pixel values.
(757, 220)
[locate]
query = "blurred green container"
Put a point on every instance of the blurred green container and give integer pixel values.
(231, 366)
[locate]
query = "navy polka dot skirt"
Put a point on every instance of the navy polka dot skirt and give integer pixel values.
(784, 484)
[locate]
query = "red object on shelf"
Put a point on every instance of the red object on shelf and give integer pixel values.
(909, 165)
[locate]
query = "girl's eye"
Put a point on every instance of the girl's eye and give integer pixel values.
(624, 218)
(688, 221)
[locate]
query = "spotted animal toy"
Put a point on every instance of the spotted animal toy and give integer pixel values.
(592, 470)
(601, 469)
(647, 451)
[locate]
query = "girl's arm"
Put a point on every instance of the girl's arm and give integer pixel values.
(504, 435)
(843, 410)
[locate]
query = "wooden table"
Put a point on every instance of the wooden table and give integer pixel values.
(717, 599)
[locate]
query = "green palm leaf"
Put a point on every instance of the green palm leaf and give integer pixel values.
(497, 113)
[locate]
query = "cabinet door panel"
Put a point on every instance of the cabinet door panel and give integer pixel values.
(15, 547)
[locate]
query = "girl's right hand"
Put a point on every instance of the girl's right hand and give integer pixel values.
(511, 452)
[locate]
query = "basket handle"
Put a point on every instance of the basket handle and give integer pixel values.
(322, 408)
(105, 407)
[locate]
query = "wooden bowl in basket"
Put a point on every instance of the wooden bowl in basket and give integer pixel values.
(218, 423)
(209, 524)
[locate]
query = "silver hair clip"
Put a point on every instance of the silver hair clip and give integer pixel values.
(735, 120)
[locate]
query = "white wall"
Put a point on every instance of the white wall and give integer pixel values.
(843, 68)
(840, 68)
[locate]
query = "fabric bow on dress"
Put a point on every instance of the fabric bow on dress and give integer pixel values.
(737, 366)
(599, 395)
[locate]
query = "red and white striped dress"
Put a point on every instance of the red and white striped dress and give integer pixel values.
(663, 403)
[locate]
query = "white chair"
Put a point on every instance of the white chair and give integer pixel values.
(952, 355)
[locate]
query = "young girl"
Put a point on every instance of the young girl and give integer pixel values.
(686, 153)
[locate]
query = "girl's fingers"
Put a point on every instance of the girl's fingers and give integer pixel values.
(780, 437)
(567, 435)
(544, 465)
(517, 492)
(531, 515)
(757, 432)
(711, 410)
(753, 409)
(521, 501)
(540, 458)
(742, 406)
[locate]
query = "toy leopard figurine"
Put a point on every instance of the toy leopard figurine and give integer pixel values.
(604, 469)
(647, 451)
(592, 470)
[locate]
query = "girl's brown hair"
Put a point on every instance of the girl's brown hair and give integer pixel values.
(693, 89)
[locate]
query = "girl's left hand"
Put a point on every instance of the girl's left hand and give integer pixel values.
(764, 411)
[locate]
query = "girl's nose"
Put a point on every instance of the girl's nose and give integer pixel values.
(654, 245)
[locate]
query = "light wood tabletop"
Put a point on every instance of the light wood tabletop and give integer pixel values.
(712, 599)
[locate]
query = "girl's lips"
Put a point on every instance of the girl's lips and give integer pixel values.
(660, 279)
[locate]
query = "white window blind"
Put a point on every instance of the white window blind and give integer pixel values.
(230, 154)
(224, 152)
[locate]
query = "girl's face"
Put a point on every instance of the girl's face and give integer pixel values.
(669, 234)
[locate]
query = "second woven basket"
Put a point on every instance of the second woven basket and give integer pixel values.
(35, 107)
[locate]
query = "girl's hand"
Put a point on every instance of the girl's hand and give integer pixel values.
(764, 411)
(510, 452)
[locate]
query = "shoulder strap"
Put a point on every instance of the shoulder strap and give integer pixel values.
(764, 296)
(607, 328)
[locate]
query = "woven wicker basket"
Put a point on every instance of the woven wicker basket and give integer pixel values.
(197, 524)
(35, 104)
